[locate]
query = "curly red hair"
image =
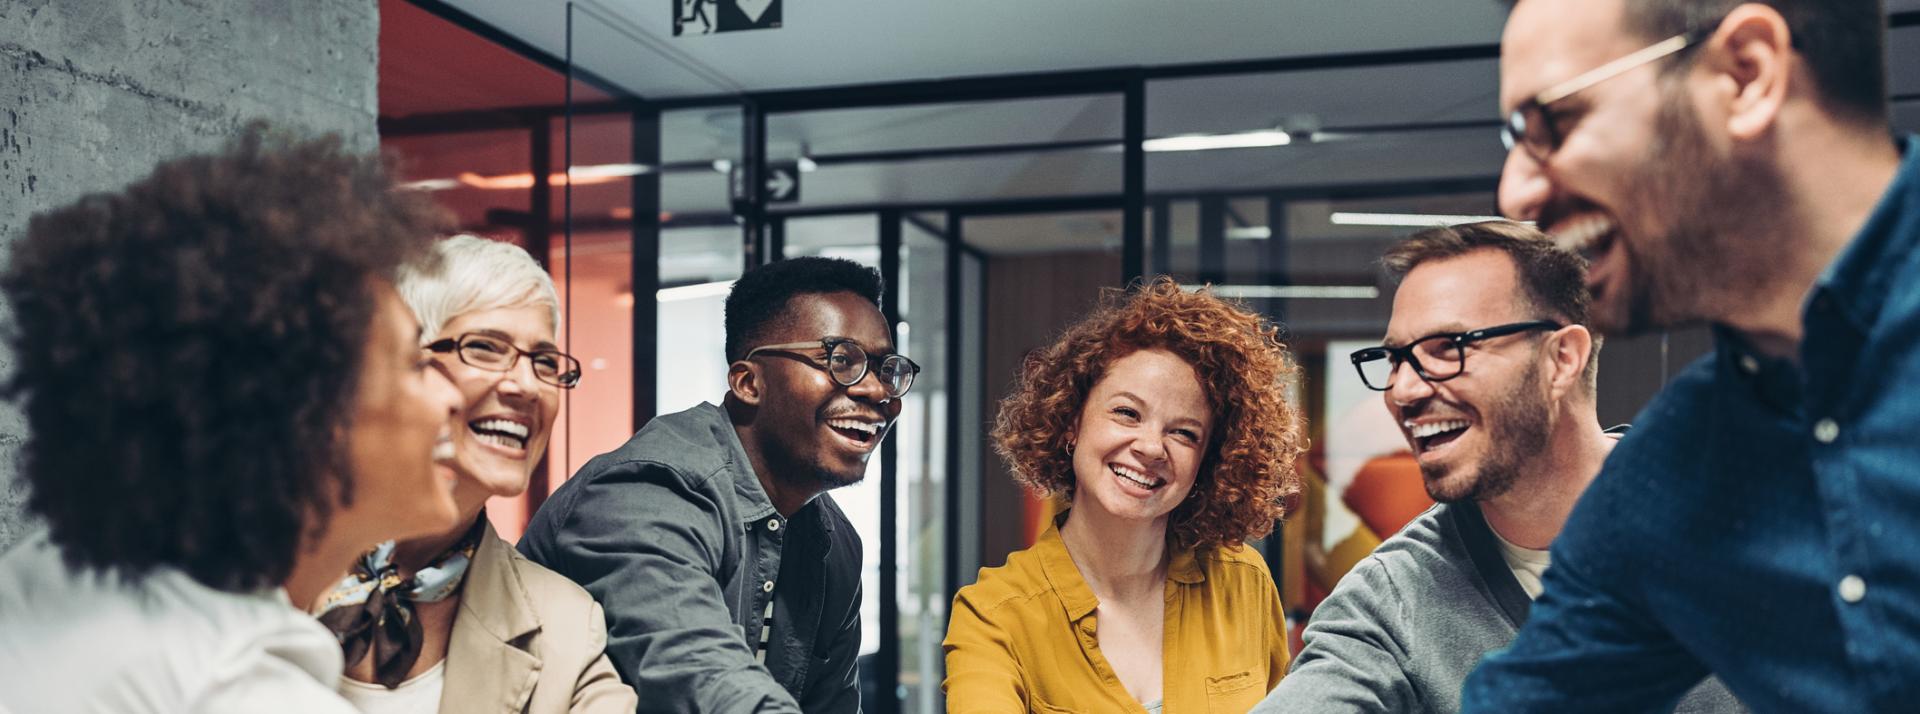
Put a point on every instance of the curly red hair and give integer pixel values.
(1247, 475)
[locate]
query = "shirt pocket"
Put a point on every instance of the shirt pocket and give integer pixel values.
(1234, 693)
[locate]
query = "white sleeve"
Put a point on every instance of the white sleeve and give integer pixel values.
(272, 684)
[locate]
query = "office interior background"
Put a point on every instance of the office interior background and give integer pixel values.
(1001, 163)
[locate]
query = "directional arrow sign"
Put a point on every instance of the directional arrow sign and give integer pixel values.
(783, 182)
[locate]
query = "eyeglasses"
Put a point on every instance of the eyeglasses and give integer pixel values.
(1531, 126)
(848, 363)
(497, 355)
(1436, 358)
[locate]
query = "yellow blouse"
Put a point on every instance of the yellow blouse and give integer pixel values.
(1022, 638)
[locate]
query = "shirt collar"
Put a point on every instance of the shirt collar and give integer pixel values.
(1859, 280)
(756, 508)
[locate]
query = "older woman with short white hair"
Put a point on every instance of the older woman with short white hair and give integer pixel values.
(459, 621)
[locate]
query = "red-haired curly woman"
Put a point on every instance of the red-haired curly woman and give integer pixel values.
(1162, 418)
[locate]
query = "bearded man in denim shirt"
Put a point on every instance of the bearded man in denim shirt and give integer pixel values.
(1729, 164)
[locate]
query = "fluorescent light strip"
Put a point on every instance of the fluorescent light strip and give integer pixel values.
(1308, 292)
(694, 292)
(1411, 220)
(1206, 142)
(1249, 233)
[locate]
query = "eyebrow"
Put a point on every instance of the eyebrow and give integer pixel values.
(1180, 421)
(888, 350)
(1446, 329)
(504, 337)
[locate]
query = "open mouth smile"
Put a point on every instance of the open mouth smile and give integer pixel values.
(863, 433)
(500, 432)
(1433, 435)
(1128, 475)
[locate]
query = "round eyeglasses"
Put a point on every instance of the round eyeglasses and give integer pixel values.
(1436, 358)
(848, 363)
(497, 355)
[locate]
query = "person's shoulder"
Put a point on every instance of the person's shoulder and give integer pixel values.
(1020, 580)
(684, 447)
(555, 599)
(1429, 537)
(1238, 563)
(163, 633)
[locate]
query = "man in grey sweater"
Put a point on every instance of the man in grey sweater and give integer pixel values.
(1489, 370)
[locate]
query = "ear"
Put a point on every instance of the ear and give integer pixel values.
(1752, 56)
(745, 383)
(1568, 349)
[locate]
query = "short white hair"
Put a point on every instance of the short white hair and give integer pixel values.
(475, 274)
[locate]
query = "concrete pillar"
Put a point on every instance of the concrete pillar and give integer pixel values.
(94, 92)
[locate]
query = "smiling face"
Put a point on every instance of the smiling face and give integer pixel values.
(1141, 437)
(506, 418)
(1639, 185)
(1472, 434)
(399, 439)
(817, 430)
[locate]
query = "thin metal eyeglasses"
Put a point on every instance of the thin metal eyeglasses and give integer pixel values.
(497, 355)
(1436, 358)
(848, 363)
(1530, 125)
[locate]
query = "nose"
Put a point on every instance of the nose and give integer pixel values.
(870, 388)
(1407, 387)
(519, 377)
(1524, 186)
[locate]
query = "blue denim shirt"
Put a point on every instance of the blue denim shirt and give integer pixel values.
(1762, 523)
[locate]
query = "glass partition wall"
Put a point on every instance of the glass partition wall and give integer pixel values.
(997, 212)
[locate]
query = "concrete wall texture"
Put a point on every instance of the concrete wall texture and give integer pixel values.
(94, 92)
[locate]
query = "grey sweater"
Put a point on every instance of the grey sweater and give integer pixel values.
(1402, 630)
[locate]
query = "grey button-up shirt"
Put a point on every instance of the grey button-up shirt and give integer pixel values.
(675, 537)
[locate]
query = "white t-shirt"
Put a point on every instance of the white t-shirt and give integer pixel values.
(419, 695)
(85, 641)
(1527, 564)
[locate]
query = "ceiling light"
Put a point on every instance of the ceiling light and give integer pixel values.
(1309, 292)
(806, 164)
(694, 292)
(1205, 142)
(1410, 220)
(430, 185)
(1249, 233)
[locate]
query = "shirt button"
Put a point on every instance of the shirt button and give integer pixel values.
(773, 524)
(1826, 430)
(767, 588)
(1852, 588)
(1749, 365)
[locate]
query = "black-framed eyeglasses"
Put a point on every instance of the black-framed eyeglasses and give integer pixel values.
(1436, 358)
(497, 355)
(849, 363)
(1531, 125)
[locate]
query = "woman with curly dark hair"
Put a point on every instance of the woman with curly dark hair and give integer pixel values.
(228, 402)
(1162, 420)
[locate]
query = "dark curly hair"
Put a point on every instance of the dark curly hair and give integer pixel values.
(758, 300)
(1247, 474)
(188, 351)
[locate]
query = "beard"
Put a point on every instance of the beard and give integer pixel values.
(1715, 211)
(1517, 427)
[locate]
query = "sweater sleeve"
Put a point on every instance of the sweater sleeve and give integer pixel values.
(1352, 657)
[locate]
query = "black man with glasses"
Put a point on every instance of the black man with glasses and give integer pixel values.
(730, 579)
(1490, 373)
(1762, 523)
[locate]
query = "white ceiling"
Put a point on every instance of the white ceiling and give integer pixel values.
(837, 42)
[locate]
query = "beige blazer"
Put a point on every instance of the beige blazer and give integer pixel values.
(527, 639)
